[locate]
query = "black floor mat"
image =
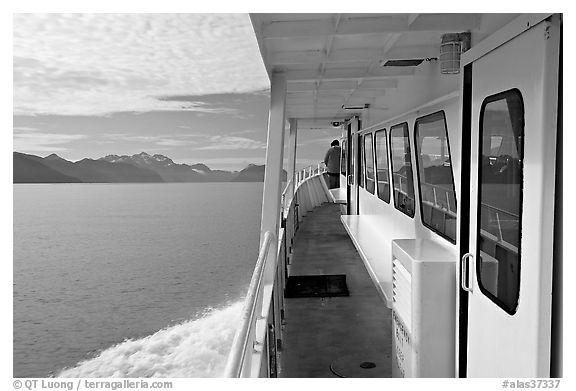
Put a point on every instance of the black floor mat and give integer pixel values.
(316, 286)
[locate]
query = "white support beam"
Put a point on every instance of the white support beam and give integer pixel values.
(351, 73)
(292, 142)
(412, 18)
(274, 159)
(325, 27)
(311, 57)
(373, 69)
(446, 22)
(297, 57)
(353, 25)
(354, 55)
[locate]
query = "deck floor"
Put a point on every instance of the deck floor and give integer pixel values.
(331, 337)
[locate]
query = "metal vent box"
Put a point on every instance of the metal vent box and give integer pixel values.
(423, 309)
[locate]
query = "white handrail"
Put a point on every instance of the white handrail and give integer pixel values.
(246, 353)
(241, 339)
(309, 171)
(287, 186)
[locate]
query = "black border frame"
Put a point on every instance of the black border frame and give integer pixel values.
(488, 294)
(387, 163)
(361, 171)
(402, 125)
(365, 165)
(417, 155)
(464, 228)
(343, 156)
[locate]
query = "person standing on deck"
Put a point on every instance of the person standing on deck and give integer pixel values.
(332, 161)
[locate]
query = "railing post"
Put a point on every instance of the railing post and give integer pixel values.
(292, 143)
(239, 361)
(274, 159)
(271, 199)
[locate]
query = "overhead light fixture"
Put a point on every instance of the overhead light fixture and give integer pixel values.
(452, 46)
(356, 107)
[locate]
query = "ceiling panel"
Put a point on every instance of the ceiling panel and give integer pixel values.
(332, 59)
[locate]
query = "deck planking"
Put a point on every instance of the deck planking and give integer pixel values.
(341, 332)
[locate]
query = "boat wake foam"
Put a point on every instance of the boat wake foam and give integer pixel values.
(197, 348)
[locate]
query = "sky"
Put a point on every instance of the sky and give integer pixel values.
(188, 86)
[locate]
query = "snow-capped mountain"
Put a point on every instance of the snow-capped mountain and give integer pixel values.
(141, 167)
(171, 171)
(53, 169)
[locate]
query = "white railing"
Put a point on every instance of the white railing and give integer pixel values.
(309, 171)
(439, 197)
(503, 221)
(253, 351)
(241, 351)
(299, 177)
(286, 197)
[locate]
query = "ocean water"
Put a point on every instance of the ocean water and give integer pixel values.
(131, 280)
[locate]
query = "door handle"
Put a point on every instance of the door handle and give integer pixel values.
(464, 272)
(350, 180)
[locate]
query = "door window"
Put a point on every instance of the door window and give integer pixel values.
(500, 176)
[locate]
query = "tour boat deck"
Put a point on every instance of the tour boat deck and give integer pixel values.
(334, 336)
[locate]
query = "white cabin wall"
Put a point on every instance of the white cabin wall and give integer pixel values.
(405, 227)
(391, 223)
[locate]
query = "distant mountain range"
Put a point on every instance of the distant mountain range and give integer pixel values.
(124, 169)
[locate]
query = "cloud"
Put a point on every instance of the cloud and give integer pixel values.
(232, 143)
(245, 131)
(96, 64)
(194, 105)
(42, 142)
(166, 140)
(24, 129)
(175, 143)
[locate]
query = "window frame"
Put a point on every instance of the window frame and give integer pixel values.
(343, 155)
(402, 125)
(361, 161)
(364, 137)
(485, 291)
(418, 180)
(387, 163)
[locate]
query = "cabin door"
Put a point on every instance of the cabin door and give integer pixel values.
(507, 270)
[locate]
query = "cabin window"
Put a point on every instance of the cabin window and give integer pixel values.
(343, 158)
(500, 173)
(369, 163)
(382, 175)
(402, 169)
(435, 179)
(360, 161)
